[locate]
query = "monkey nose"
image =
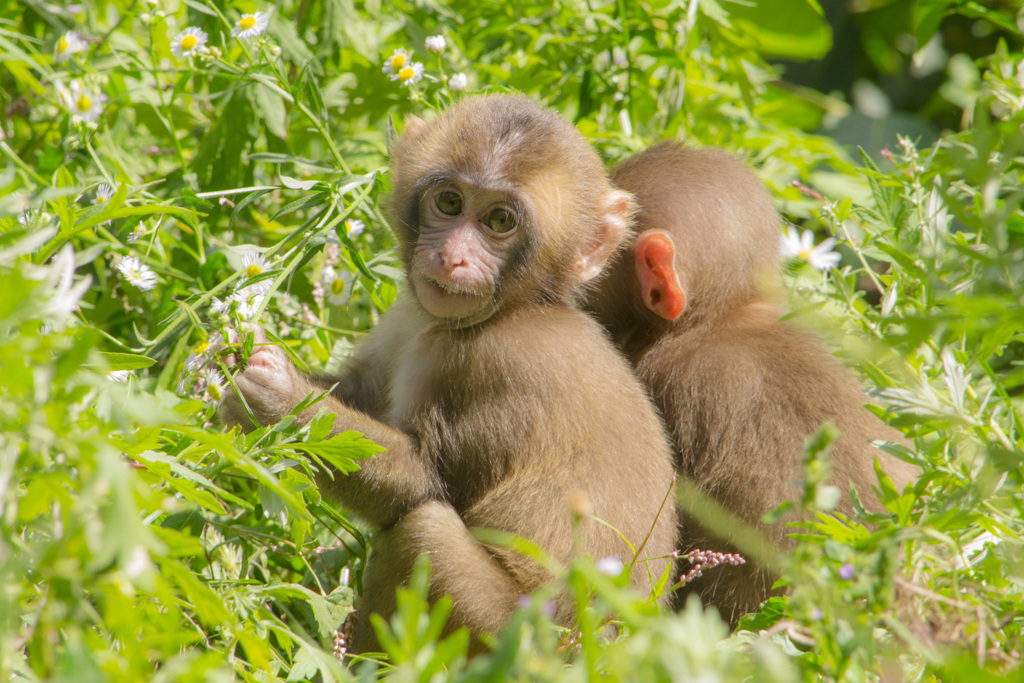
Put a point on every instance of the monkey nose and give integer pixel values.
(451, 262)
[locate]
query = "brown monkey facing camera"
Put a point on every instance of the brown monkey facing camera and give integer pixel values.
(695, 309)
(497, 401)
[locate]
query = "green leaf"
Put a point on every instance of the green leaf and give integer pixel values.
(126, 361)
(793, 29)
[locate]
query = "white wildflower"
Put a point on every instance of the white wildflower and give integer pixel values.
(411, 75)
(396, 62)
(66, 293)
(355, 227)
(138, 233)
(68, 44)
(214, 382)
(255, 264)
(251, 25)
(338, 285)
(119, 375)
(436, 44)
(141, 230)
(611, 565)
(801, 245)
(81, 103)
(137, 273)
(103, 193)
(218, 307)
(458, 82)
(189, 43)
(248, 301)
(200, 355)
(138, 562)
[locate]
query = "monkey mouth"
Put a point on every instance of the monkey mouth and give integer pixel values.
(452, 301)
(455, 290)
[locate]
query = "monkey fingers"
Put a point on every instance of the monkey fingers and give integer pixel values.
(270, 385)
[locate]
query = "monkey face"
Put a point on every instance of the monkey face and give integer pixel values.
(497, 204)
(466, 236)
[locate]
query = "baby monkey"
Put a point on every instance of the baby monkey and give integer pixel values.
(500, 405)
(696, 310)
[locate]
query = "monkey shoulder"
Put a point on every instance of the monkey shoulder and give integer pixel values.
(554, 343)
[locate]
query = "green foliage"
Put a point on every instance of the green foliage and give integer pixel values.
(150, 203)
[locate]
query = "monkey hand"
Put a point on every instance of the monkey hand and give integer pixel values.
(270, 384)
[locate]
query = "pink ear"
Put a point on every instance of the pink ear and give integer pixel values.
(656, 268)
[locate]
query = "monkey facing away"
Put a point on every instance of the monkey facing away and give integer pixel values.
(695, 310)
(496, 400)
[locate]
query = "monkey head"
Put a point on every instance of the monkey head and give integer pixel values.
(498, 203)
(706, 242)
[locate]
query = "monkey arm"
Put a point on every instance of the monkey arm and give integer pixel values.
(385, 487)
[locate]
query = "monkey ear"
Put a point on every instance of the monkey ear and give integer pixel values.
(414, 127)
(662, 292)
(618, 210)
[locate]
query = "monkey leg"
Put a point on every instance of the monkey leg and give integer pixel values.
(484, 595)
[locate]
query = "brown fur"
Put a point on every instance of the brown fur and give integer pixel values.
(499, 423)
(738, 388)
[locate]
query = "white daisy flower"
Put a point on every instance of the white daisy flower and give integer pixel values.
(189, 43)
(801, 245)
(138, 233)
(141, 230)
(68, 44)
(248, 301)
(251, 25)
(338, 285)
(218, 307)
(103, 193)
(119, 375)
(412, 74)
(355, 227)
(137, 273)
(255, 264)
(396, 62)
(83, 104)
(436, 44)
(185, 380)
(201, 353)
(458, 82)
(214, 382)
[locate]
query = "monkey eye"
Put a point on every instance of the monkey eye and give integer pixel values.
(449, 203)
(501, 220)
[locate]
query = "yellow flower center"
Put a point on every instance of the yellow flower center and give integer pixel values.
(247, 22)
(215, 392)
(406, 73)
(397, 62)
(100, 199)
(62, 44)
(188, 42)
(253, 270)
(806, 255)
(337, 286)
(83, 103)
(201, 347)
